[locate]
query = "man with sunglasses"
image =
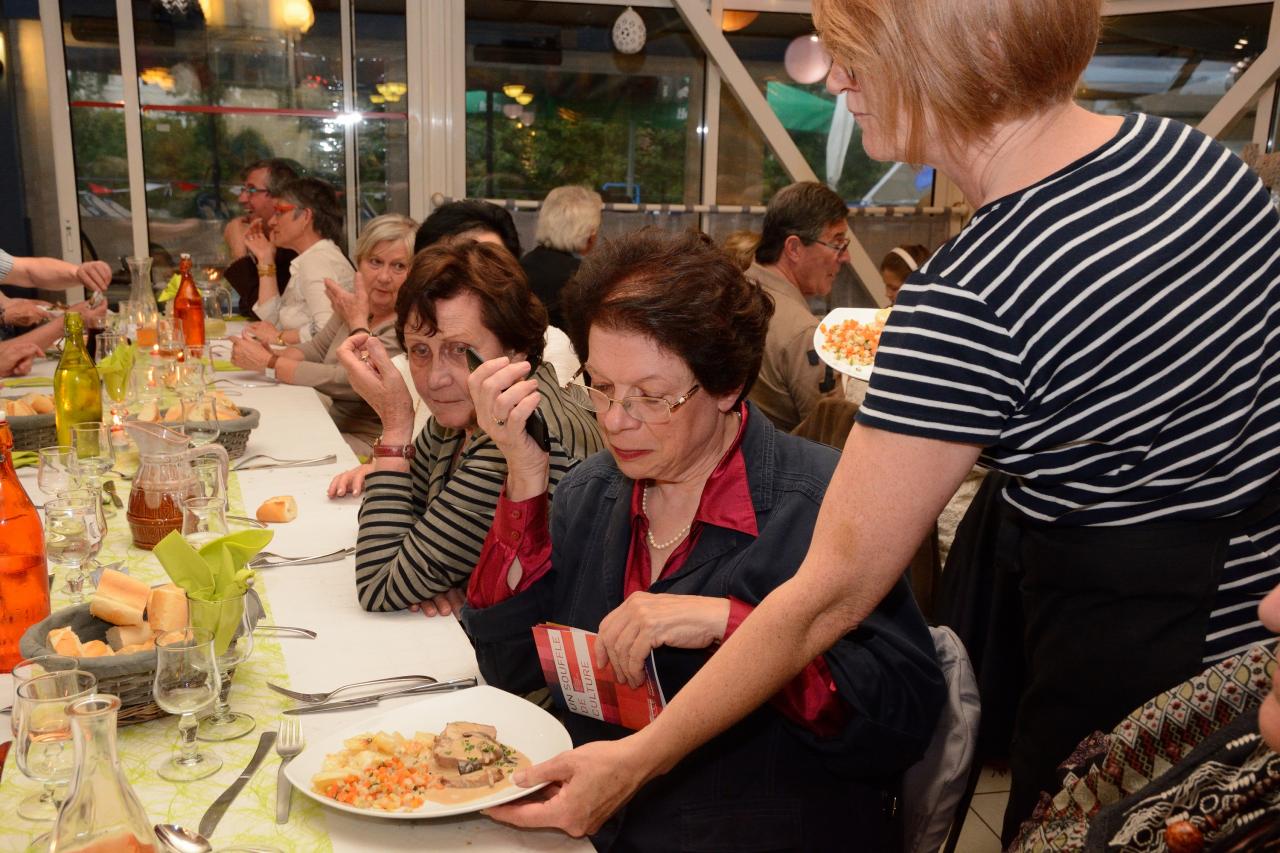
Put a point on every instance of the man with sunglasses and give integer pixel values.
(260, 184)
(802, 246)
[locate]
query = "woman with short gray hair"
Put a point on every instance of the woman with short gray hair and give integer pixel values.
(567, 227)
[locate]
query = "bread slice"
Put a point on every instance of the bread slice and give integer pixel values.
(127, 635)
(96, 649)
(167, 608)
(64, 641)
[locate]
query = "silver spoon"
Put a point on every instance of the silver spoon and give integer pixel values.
(181, 839)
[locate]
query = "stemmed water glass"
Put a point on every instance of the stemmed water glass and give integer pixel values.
(94, 457)
(54, 472)
(210, 479)
(69, 538)
(42, 735)
(200, 419)
(186, 681)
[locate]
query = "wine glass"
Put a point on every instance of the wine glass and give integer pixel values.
(91, 440)
(200, 419)
(42, 735)
(106, 343)
(210, 479)
(69, 524)
(186, 681)
(231, 621)
(203, 520)
(197, 362)
(54, 472)
(30, 668)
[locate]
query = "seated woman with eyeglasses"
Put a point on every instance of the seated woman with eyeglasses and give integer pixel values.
(429, 501)
(666, 542)
(307, 220)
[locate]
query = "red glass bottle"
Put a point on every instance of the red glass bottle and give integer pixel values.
(24, 574)
(188, 305)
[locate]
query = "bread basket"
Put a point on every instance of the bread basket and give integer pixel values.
(32, 432)
(233, 433)
(128, 676)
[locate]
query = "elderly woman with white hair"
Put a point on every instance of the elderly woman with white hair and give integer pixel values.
(383, 255)
(567, 227)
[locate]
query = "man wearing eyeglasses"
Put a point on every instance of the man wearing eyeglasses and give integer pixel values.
(802, 246)
(261, 181)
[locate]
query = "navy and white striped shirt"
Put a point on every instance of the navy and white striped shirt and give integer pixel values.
(1110, 336)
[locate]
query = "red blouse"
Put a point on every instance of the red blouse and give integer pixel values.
(520, 530)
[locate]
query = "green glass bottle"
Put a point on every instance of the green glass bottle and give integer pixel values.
(77, 390)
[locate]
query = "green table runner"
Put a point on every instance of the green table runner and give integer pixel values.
(143, 747)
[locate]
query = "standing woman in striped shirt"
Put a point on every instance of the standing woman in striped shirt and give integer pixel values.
(429, 501)
(1106, 330)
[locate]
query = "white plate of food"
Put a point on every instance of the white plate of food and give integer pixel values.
(847, 339)
(445, 755)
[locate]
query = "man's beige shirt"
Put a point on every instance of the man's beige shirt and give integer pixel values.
(792, 377)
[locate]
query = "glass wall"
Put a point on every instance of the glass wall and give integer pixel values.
(1176, 64)
(550, 102)
(382, 97)
(783, 57)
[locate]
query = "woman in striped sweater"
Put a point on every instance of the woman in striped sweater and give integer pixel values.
(429, 502)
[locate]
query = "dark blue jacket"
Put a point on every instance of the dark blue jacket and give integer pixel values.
(766, 783)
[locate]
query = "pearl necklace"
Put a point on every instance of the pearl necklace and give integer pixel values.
(644, 505)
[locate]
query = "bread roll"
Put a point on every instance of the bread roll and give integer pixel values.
(127, 635)
(64, 641)
(278, 509)
(41, 404)
(18, 409)
(95, 649)
(148, 646)
(167, 608)
(120, 599)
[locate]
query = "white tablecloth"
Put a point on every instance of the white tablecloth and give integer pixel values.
(353, 645)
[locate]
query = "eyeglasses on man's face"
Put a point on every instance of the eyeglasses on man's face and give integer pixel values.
(837, 246)
(649, 410)
(246, 189)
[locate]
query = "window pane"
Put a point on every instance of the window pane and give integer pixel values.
(1176, 64)
(623, 124)
(382, 87)
(91, 47)
(249, 82)
(748, 172)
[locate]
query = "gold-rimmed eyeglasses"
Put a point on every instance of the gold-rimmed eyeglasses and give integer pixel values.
(649, 410)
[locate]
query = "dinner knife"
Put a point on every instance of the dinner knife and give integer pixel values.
(441, 687)
(219, 807)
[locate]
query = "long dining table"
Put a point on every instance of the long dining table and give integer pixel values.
(351, 645)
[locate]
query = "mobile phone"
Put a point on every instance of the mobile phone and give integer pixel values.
(536, 424)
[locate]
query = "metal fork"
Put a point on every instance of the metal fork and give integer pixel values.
(289, 742)
(324, 697)
(242, 464)
(270, 560)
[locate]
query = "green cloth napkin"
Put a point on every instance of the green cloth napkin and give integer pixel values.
(221, 365)
(217, 572)
(24, 458)
(28, 382)
(170, 289)
(115, 368)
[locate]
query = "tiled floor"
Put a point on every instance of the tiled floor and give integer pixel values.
(981, 831)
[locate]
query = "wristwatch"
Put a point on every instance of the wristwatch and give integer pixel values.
(397, 451)
(270, 369)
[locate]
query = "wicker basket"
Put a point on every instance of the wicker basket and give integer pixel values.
(128, 676)
(32, 432)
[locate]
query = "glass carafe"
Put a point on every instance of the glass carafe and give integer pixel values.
(101, 811)
(164, 480)
(217, 306)
(142, 309)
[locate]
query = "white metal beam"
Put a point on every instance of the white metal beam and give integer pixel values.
(64, 164)
(416, 49)
(347, 13)
(1260, 75)
(735, 74)
(445, 117)
(133, 128)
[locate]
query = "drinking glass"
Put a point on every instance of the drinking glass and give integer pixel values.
(200, 419)
(210, 479)
(90, 473)
(54, 472)
(231, 621)
(69, 524)
(91, 440)
(42, 735)
(186, 681)
(195, 370)
(107, 343)
(203, 520)
(30, 668)
(169, 336)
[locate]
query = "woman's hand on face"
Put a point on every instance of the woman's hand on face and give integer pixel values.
(504, 400)
(350, 482)
(375, 378)
(352, 307)
(259, 244)
(249, 354)
(647, 620)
